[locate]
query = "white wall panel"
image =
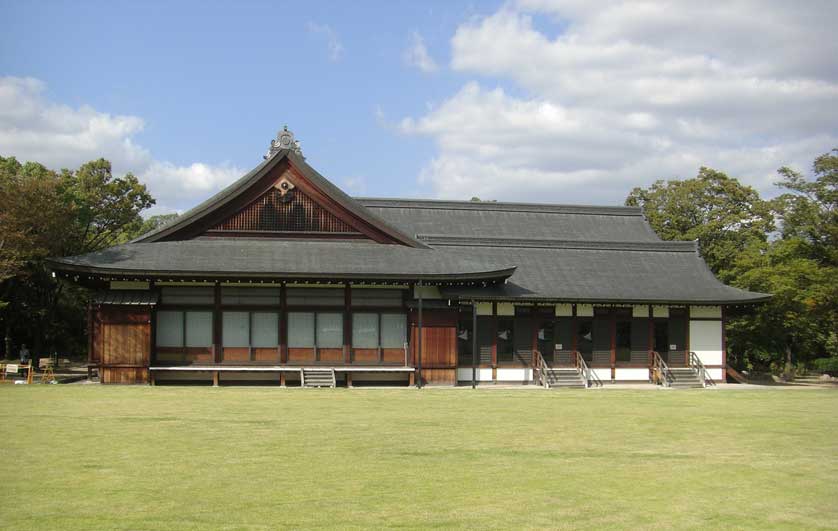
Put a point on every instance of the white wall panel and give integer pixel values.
(706, 312)
(514, 375)
(564, 310)
(603, 374)
(640, 375)
(483, 375)
(706, 341)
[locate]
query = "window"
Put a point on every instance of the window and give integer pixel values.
(301, 329)
(374, 330)
(623, 339)
(365, 330)
(250, 329)
(169, 329)
(329, 330)
(184, 329)
(393, 330)
(315, 329)
(506, 349)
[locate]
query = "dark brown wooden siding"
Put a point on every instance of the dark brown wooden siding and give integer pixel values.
(122, 343)
(439, 345)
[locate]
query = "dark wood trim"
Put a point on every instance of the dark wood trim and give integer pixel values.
(283, 324)
(724, 342)
(494, 321)
(706, 318)
(612, 314)
(217, 349)
(283, 235)
(687, 335)
(347, 324)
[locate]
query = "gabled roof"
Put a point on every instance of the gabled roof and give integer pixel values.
(236, 191)
(514, 220)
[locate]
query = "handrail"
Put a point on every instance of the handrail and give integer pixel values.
(696, 365)
(542, 370)
(660, 370)
(583, 368)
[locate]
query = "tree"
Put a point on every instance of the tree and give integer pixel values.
(44, 213)
(724, 216)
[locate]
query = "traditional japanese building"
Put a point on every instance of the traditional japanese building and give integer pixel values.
(282, 277)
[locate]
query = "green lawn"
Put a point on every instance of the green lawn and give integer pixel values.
(98, 457)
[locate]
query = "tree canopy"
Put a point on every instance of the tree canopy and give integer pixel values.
(785, 246)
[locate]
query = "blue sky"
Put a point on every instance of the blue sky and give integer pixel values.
(493, 111)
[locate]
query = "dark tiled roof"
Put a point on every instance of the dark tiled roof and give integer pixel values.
(513, 220)
(282, 259)
(610, 273)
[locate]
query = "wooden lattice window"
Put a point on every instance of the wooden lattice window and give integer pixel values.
(295, 212)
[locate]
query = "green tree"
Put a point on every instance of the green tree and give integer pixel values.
(45, 213)
(725, 216)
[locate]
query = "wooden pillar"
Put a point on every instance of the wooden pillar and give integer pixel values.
(151, 379)
(474, 360)
(724, 344)
(283, 328)
(347, 326)
(687, 336)
(411, 379)
(349, 379)
(651, 340)
(282, 379)
(419, 341)
(494, 342)
(613, 316)
(217, 349)
(215, 378)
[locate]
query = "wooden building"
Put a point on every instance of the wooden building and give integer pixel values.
(283, 278)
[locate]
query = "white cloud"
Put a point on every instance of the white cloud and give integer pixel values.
(629, 92)
(32, 128)
(332, 40)
(416, 55)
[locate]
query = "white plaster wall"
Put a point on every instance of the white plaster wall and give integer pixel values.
(706, 341)
(514, 375)
(564, 310)
(483, 375)
(640, 375)
(506, 308)
(585, 310)
(716, 374)
(484, 308)
(603, 374)
(660, 311)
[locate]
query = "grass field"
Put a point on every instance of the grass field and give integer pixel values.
(93, 457)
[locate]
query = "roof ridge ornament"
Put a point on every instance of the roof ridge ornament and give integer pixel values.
(284, 140)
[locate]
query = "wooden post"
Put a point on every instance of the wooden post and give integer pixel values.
(215, 378)
(419, 341)
(217, 349)
(348, 379)
(282, 378)
(411, 379)
(473, 344)
(151, 379)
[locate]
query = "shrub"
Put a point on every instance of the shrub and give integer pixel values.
(826, 365)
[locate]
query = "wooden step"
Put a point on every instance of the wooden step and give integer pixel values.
(318, 377)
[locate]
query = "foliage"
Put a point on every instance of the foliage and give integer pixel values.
(794, 260)
(826, 365)
(45, 213)
(724, 216)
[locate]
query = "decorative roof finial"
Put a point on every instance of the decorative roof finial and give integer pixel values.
(284, 140)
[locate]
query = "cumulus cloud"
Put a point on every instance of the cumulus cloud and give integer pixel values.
(416, 54)
(32, 128)
(331, 37)
(629, 92)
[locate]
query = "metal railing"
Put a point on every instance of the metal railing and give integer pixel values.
(661, 374)
(698, 367)
(542, 370)
(584, 370)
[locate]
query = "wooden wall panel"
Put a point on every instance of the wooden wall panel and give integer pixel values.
(124, 375)
(266, 354)
(300, 355)
(439, 376)
(125, 344)
(393, 355)
(365, 355)
(235, 354)
(439, 341)
(330, 355)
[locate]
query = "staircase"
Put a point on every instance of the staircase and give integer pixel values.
(685, 378)
(570, 378)
(317, 377)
